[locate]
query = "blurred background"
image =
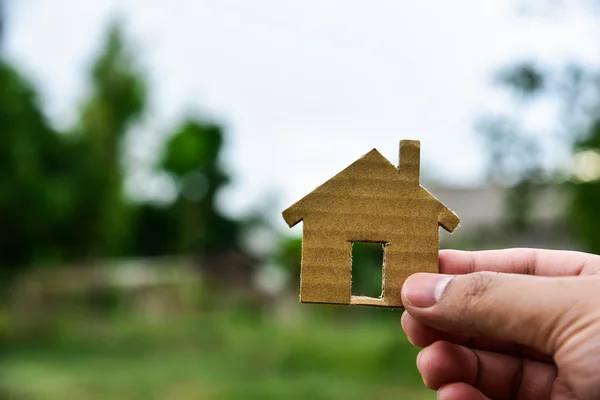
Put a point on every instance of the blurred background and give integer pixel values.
(147, 151)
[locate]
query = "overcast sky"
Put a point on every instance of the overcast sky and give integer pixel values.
(304, 86)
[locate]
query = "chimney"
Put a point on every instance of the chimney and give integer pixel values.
(410, 160)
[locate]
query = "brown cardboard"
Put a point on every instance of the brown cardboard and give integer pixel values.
(369, 201)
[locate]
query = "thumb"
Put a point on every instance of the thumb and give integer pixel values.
(534, 311)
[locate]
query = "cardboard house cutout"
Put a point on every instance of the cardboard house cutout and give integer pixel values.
(376, 202)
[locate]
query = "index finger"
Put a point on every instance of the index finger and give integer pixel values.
(520, 261)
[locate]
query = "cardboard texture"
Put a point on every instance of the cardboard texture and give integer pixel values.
(369, 201)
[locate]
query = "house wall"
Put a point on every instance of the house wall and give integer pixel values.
(326, 266)
(409, 227)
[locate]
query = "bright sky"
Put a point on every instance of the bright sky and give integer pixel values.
(304, 86)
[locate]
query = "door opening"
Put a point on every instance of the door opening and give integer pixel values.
(368, 263)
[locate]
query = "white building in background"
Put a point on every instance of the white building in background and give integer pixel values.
(484, 221)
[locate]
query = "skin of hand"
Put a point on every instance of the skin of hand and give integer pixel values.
(507, 324)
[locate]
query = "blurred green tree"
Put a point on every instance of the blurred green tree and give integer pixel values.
(191, 156)
(585, 203)
(288, 255)
(33, 160)
(100, 224)
(519, 156)
(192, 223)
(62, 195)
(154, 230)
(515, 155)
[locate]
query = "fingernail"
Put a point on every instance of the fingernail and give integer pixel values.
(403, 322)
(425, 290)
(419, 360)
(403, 317)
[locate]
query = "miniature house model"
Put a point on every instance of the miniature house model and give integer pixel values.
(370, 201)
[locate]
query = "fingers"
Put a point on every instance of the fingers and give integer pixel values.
(539, 312)
(422, 335)
(520, 261)
(460, 391)
(496, 376)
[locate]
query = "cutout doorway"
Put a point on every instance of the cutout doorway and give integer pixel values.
(368, 266)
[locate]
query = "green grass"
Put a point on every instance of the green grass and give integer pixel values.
(225, 355)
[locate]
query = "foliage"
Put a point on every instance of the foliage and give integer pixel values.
(367, 269)
(33, 192)
(221, 355)
(154, 230)
(117, 100)
(191, 156)
(518, 156)
(513, 153)
(585, 212)
(513, 157)
(62, 193)
(523, 78)
(288, 255)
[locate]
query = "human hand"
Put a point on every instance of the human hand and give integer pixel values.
(507, 324)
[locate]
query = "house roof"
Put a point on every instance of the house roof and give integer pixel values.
(373, 175)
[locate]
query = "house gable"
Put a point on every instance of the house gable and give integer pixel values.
(368, 173)
(371, 177)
